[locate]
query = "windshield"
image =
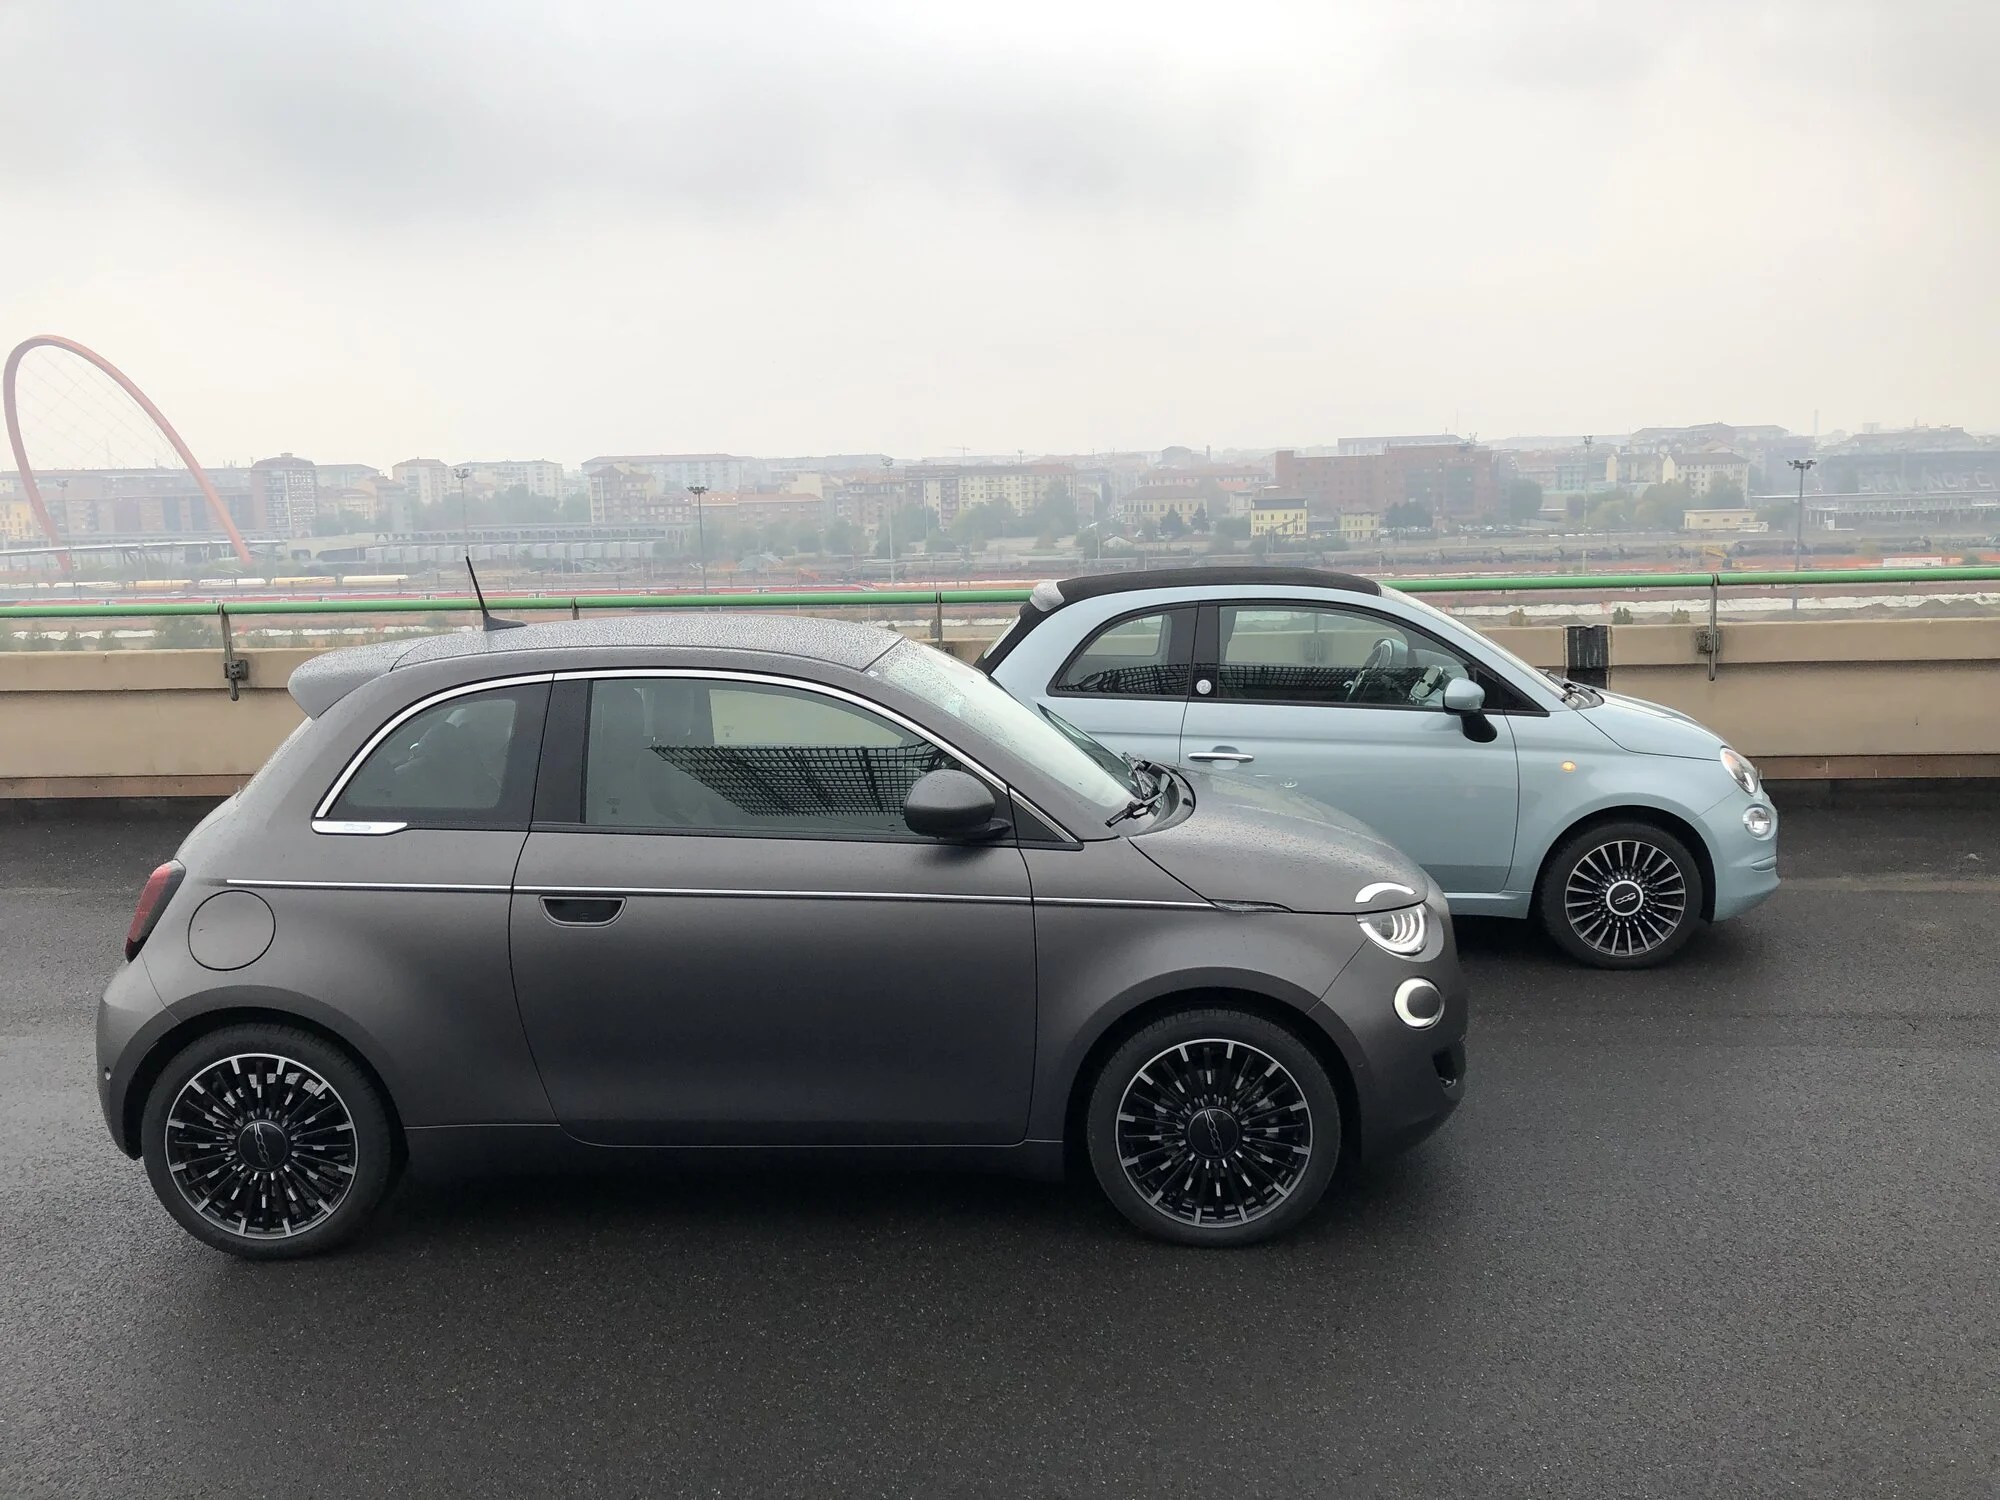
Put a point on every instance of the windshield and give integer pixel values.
(975, 699)
(1113, 763)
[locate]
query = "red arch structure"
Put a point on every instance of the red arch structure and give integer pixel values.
(27, 473)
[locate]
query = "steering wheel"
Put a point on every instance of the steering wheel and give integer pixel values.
(1380, 655)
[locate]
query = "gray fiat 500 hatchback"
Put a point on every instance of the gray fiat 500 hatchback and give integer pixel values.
(745, 886)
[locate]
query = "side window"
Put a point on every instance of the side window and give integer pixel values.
(695, 755)
(1277, 653)
(1146, 656)
(466, 762)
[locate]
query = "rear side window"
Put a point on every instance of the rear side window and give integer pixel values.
(1142, 656)
(464, 762)
(692, 755)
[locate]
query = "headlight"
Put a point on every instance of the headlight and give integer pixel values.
(1758, 821)
(1402, 933)
(1740, 770)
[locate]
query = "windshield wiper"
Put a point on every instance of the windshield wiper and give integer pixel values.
(1150, 777)
(1152, 783)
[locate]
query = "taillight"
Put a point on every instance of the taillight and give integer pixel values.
(160, 888)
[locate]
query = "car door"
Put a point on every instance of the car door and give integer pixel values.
(724, 934)
(1345, 705)
(1127, 683)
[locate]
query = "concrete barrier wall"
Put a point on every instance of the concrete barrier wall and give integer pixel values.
(1816, 699)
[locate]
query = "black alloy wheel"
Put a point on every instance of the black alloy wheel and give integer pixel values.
(1622, 896)
(1213, 1127)
(267, 1142)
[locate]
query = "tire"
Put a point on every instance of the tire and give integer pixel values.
(1593, 875)
(1253, 1146)
(275, 1129)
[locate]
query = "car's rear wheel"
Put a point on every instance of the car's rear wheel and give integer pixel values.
(267, 1141)
(1213, 1127)
(1622, 895)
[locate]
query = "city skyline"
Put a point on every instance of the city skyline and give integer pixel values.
(380, 231)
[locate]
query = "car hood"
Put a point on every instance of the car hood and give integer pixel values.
(1645, 728)
(1245, 842)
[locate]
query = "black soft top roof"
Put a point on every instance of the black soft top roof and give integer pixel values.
(1052, 594)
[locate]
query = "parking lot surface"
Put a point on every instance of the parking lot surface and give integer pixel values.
(1728, 1228)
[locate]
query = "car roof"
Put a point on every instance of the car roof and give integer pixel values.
(322, 682)
(1052, 594)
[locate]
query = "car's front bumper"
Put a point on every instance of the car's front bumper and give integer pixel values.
(1407, 1079)
(1746, 867)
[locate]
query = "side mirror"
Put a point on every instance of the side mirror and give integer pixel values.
(1464, 696)
(1467, 700)
(952, 805)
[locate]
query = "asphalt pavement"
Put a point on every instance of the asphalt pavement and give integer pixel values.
(1727, 1229)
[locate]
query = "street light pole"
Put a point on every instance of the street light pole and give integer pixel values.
(1799, 524)
(889, 516)
(1799, 529)
(464, 505)
(700, 534)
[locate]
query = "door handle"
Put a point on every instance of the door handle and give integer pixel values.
(583, 911)
(1223, 753)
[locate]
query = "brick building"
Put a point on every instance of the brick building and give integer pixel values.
(1457, 481)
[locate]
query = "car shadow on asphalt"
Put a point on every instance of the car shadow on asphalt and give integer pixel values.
(780, 1207)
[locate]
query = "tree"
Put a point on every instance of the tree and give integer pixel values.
(1233, 528)
(905, 527)
(1524, 499)
(1725, 496)
(1610, 515)
(977, 525)
(1057, 511)
(1661, 507)
(1172, 527)
(842, 538)
(1410, 515)
(1201, 520)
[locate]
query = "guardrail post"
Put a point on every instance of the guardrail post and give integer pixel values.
(235, 670)
(1708, 639)
(937, 621)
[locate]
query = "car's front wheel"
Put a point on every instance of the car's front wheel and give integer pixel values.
(1621, 896)
(1213, 1127)
(267, 1142)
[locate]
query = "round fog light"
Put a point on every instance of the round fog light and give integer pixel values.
(1758, 820)
(1418, 1003)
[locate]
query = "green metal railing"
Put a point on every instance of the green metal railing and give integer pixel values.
(944, 598)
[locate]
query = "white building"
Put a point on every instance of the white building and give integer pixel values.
(674, 472)
(430, 479)
(535, 475)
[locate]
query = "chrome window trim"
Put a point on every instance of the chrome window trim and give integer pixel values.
(355, 761)
(769, 679)
(726, 893)
(368, 885)
(330, 825)
(753, 894)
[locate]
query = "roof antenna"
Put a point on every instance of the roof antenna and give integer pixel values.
(487, 619)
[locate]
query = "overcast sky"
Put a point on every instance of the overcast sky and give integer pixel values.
(368, 230)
